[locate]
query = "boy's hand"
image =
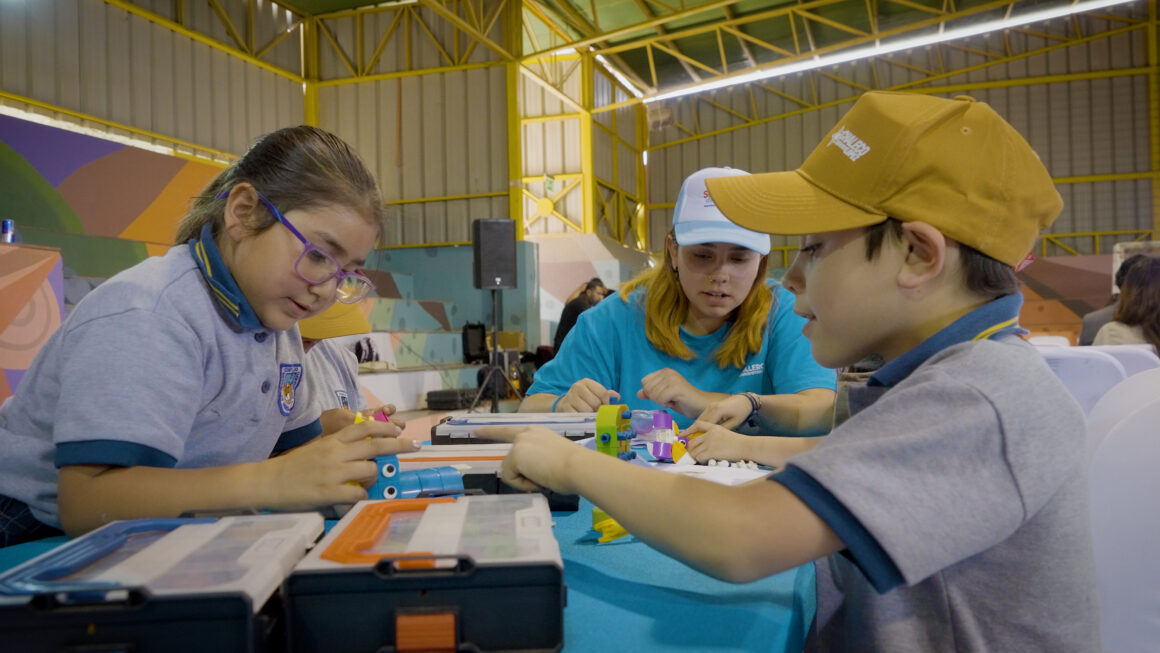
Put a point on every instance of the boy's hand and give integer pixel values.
(718, 443)
(336, 419)
(585, 396)
(729, 412)
(316, 473)
(384, 413)
(668, 388)
(539, 458)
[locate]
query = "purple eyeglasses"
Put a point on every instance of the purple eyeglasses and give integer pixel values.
(315, 266)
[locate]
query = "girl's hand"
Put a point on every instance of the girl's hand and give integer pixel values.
(317, 473)
(729, 411)
(668, 388)
(585, 396)
(539, 458)
(718, 443)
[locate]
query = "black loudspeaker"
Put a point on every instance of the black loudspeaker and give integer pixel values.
(493, 244)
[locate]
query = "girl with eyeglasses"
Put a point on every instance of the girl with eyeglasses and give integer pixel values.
(173, 386)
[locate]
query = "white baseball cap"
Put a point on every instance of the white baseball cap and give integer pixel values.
(697, 220)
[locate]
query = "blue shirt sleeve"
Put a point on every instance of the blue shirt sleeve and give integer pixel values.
(789, 363)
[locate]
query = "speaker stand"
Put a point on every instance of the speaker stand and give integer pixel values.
(492, 367)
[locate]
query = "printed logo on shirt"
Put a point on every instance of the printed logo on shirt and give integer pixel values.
(343, 398)
(853, 147)
(289, 376)
(753, 368)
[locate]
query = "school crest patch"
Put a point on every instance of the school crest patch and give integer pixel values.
(289, 376)
(343, 398)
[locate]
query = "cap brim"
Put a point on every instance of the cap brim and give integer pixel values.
(785, 203)
(336, 321)
(722, 234)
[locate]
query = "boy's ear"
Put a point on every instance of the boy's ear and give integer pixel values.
(239, 212)
(926, 253)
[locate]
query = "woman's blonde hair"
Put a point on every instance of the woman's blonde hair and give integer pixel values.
(666, 307)
(294, 168)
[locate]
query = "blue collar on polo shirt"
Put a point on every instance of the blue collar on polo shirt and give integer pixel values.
(996, 318)
(222, 286)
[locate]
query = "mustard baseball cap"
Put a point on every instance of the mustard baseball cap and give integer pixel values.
(954, 164)
(338, 320)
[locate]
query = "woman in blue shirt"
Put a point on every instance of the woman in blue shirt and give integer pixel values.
(703, 335)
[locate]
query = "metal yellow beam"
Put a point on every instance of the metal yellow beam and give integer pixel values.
(337, 48)
(957, 88)
(448, 198)
(200, 38)
(213, 156)
(560, 95)
(409, 73)
(466, 28)
(646, 25)
(1091, 179)
(556, 117)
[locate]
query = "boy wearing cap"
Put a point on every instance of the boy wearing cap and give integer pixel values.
(703, 335)
(949, 511)
(330, 369)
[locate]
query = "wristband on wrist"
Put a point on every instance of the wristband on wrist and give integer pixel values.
(754, 403)
(556, 402)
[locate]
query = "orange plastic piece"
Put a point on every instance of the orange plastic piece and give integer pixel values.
(432, 631)
(368, 526)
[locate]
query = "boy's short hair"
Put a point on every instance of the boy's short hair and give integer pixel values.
(982, 274)
(954, 164)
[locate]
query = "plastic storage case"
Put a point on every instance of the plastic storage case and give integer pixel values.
(167, 585)
(474, 573)
(460, 429)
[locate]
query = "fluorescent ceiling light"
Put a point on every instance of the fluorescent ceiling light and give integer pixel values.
(892, 46)
(620, 77)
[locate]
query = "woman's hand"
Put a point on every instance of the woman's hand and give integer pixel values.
(318, 472)
(585, 396)
(729, 411)
(717, 442)
(668, 388)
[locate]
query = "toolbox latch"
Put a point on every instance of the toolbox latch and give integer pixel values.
(426, 631)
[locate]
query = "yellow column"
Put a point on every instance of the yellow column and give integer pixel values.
(587, 168)
(641, 176)
(310, 71)
(513, 42)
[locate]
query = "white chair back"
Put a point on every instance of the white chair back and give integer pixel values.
(1123, 400)
(1124, 485)
(1050, 341)
(1087, 373)
(1134, 358)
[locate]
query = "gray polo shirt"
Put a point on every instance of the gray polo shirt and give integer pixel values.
(332, 377)
(151, 369)
(959, 487)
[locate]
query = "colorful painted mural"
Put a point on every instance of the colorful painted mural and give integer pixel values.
(104, 205)
(31, 307)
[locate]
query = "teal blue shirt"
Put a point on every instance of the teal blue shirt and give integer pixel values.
(609, 345)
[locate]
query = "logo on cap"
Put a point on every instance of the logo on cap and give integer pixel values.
(853, 147)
